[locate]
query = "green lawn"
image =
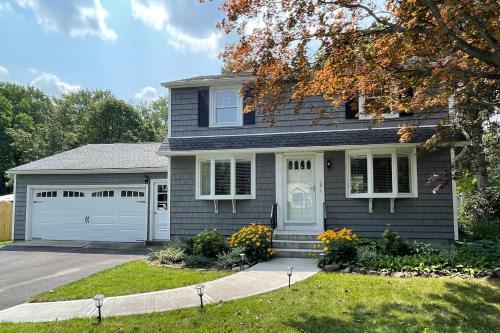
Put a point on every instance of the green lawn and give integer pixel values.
(3, 243)
(130, 278)
(327, 302)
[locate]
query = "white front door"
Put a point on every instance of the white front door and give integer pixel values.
(160, 210)
(301, 192)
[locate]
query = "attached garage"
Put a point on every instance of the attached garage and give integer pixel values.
(104, 213)
(109, 193)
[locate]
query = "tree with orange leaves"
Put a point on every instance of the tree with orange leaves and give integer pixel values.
(444, 49)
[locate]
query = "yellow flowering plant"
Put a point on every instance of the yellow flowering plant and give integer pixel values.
(339, 245)
(256, 239)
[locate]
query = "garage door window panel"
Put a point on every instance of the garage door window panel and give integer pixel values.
(73, 194)
(132, 194)
(103, 194)
(46, 194)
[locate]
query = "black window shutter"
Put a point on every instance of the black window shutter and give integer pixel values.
(203, 111)
(248, 117)
(408, 93)
(351, 108)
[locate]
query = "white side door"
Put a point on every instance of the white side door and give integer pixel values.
(160, 210)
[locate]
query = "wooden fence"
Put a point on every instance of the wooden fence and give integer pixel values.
(5, 220)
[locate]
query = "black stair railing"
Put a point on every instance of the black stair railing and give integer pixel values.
(273, 220)
(324, 215)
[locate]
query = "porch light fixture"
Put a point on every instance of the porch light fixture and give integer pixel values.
(328, 164)
(243, 260)
(289, 272)
(98, 301)
(200, 290)
(146, 179)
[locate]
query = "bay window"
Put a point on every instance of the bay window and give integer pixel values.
(381, 173)
(225, 177)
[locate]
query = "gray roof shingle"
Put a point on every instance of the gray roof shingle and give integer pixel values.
(310, 139)
(100, 157)
(207, 79)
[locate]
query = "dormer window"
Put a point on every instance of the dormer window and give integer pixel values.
(374, 99)
(226, 107)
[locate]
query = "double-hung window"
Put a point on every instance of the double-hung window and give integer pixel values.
(225, 177)
(226, 106)
(381, 173)
(374, 100)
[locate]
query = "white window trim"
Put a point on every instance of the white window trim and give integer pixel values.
(362, 115)
(239, 104)
(369, 154)
(232, 158)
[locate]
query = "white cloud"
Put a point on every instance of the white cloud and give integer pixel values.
(53, 85)
(156, 14)
(3, 71)
(77, 18)
(5, 6)
(146, 94)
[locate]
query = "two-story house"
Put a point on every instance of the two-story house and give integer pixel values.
(223, 168)
(229, 168)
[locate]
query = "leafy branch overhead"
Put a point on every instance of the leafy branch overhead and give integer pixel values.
(340, 49)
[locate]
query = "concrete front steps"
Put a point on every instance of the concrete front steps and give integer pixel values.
(287, 245)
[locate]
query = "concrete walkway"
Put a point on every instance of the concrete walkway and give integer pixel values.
(258, 279)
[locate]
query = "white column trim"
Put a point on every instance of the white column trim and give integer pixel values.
(279, 190)
(13, 208)
(454, 194)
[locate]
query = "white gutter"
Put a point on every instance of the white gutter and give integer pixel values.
(84, 171)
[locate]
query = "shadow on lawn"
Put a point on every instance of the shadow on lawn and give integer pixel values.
(467, 307)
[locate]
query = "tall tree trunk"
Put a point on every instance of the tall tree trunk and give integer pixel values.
(481, 167)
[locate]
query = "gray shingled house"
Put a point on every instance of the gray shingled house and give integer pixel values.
(227, 169)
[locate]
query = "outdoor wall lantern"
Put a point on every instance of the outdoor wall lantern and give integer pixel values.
(98, 301)
(322, 258)
(328, 164)
(146, 179)
(199, 290)
(243, 260)
(289, 272)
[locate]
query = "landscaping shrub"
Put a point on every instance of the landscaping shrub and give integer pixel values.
(230, 259)
(367, 256)
(480, 215)
(394, 244)
(198, 261)
(209, 243)
(170, 254)
(256, 239)
(482, 254)
(339, 245)
(421, 248)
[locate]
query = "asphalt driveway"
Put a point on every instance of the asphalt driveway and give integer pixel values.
(26, 271)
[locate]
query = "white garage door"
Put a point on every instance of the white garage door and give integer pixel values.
(116, 214)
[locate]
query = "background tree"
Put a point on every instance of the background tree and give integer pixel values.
(34, 125)
(340, 48)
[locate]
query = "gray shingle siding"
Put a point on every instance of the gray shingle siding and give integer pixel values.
(184, 118)
(22, 182)
(189, 216)
(428, 217)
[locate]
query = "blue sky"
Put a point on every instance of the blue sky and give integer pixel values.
(127, 46)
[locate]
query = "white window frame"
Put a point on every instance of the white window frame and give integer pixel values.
(233, 158)
(363, 115)
(239, 104)
(394, 152)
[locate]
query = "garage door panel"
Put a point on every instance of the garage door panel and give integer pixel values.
(109, 218)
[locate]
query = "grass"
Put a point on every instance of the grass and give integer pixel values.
(129, 278)
(327, 302)
(3, 243)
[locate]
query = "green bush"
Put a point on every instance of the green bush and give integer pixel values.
(197, 261)
(482, 254)
(480, 215)
(230, 259)
(367, 256)
(209, 243)
(420, 248)
(170, 254)
(256, 239)
(341, 251)
(394, 244)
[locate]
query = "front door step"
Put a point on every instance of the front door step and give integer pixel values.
(288, 245)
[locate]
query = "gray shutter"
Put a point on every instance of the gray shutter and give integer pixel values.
(248, 117)
(203, 109)
(351, 108)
